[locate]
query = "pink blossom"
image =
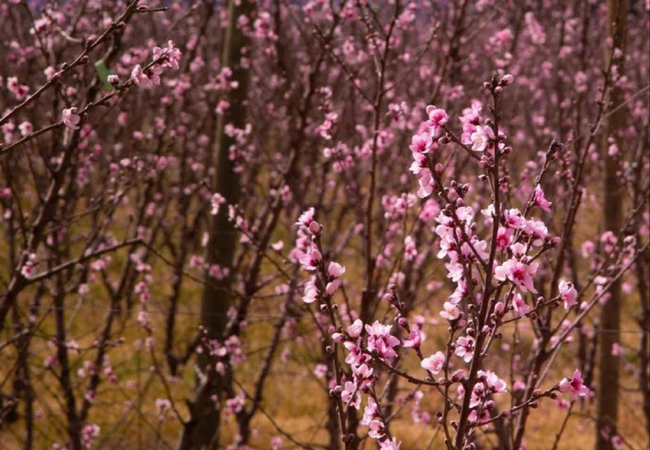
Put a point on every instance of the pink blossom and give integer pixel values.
(426, 184)
(480, 138)
(518, 386)
(539, 199)
(479, 415)
(140, 78)
(332, 286)
(26, 128)
(88, 433)
(456, 271)
(410, 249)
(390, 444)
(504, 237)
(451, 312)
(470, 120)
(419, 164)
(587, 248)
(377, 429)
(216, 201)
(520, 305)
(19, 90)
(514, 219)
(380, 340)
(492, 381)
(311, 293)
(519, 273)
(350, 395)
(276, 443)
(535, 30)
(311, 259)
(306, 222)
(415, 338)
(29, 269)
(574, 385)
(508, 79)
(70, 118)
(355, 329)
(169, 56)
(335, 270)
(355, 356)
(235, 404)
(568, 294)
(465, 348)
(163, 406)
(581, 80)
(537, 230)
(153, 73)
(434, 363)
(438, 118)
(362, 371)
(421, 143)
(369, 412)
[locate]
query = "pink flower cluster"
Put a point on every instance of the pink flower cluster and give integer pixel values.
(163, 58)
(308, 253)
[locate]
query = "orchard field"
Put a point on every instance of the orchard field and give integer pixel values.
(324, 224)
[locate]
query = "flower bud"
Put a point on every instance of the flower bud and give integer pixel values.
(314, 227)
(113, 80)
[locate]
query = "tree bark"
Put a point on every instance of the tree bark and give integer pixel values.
(202, 430)
(608, 381)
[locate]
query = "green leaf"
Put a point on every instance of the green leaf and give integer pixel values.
(103, 72)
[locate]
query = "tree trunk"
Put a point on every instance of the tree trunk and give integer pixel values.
(614, 196)
(202, 430)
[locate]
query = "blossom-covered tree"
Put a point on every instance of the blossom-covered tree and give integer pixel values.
(276, 224)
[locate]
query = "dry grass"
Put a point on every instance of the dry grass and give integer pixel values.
(295, 398)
